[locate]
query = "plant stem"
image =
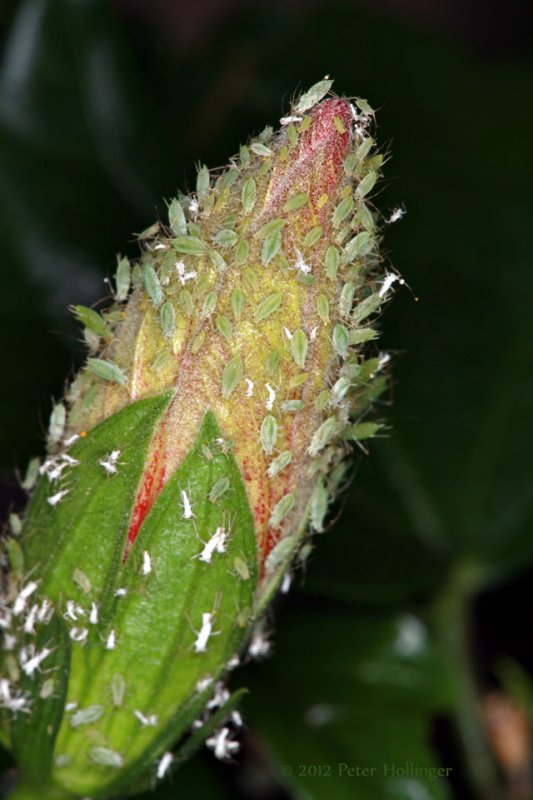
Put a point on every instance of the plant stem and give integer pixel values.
(453, 611)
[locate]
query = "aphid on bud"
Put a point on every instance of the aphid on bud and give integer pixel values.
(268, 433)
(281, 509)
(322, 436)
(109, 463)
(279, 463)
(299, 346)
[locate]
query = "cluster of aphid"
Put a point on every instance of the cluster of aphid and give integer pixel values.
(253, 301)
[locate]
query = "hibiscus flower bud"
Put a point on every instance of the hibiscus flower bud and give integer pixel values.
(194, 455)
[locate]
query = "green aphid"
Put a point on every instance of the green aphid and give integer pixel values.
(185, 298)
(219, 489)
(224, 327)
(232, 376)
(313, 95)
(242, 251)
(268, 433)
(273, 361)
(249, 191)
(346, 299)
(280, 554)
(226, 238)
(241, 568)
(367, 184)
(366, 307)
(168, 319)
(105, 757)
(47, 689)
(237, 302)
(210, 303)
(360, 335)
(299, 347)
(198, 342)
(195, 230)
(31, 474)
(122, 280)
(296, 201)
(250, 279)
(149, 233)
(176, 218)
(15, 557)
(344, 208)
(161, 361)
(279, 463)
(189, 245)
(201, 285)
(364, 106)
(202, 183)
(281, 509)
(93, 321)
(340, 389)
(137, 276)
(268, 306)
(362, 430)
(322, 436)
(332, 261)
(364, 148)
(244, 156)
(298, 380)
(319, 506)
(153, 286)
(270, 227)
(323, 400)
(322, 307)
(358, 246)
(350, 163)
(341, 339)
(117, 688)
(85, 716)
(261, 149)
(292, 134)
(292, 406)
(81, 580)
(15, 524)
(107, 370)
(229, 177)
(56, 426)
(217, 260)
(313, 236)
(271, 247)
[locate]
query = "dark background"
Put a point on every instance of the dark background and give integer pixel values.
(105, 109)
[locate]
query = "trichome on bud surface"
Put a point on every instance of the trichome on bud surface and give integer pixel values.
(193, 456)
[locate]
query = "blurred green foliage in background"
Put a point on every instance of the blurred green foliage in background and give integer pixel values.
(101, 118)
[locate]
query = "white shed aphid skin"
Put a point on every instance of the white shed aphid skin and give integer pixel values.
(389, 279)
(313, 333)
(397, 214)
(121, 592)
(186, 503)
(220, 696)
(301, 264)
(22, 597)
(250, 387)
(31, 664)
(289, 119)
(71, 439)
(223, 747)
(57, 497)
(259, 646)
(163, 765)
(147, 563)
(383, 360)
(204, 634)
(269, 405)
(109, 463)
(79, 634)
(237, 719)
(31, 619)
(183, 275)
(204, 683)
(286, 583)
(147, 721)
(233, 662)
(71, 706)
(13, 702)
(73, 611)
(194, 207)
(93, 614)
(287, 333)
(45, 611)
(216, 544)
(111, 641)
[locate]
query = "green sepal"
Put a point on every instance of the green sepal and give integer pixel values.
(158, 620)
(33, 734)
(86, 530)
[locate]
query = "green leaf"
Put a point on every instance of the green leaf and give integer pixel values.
(33, 735)
(158, 622)
(87, 528)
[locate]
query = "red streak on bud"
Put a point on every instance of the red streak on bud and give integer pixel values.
(152, 482)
